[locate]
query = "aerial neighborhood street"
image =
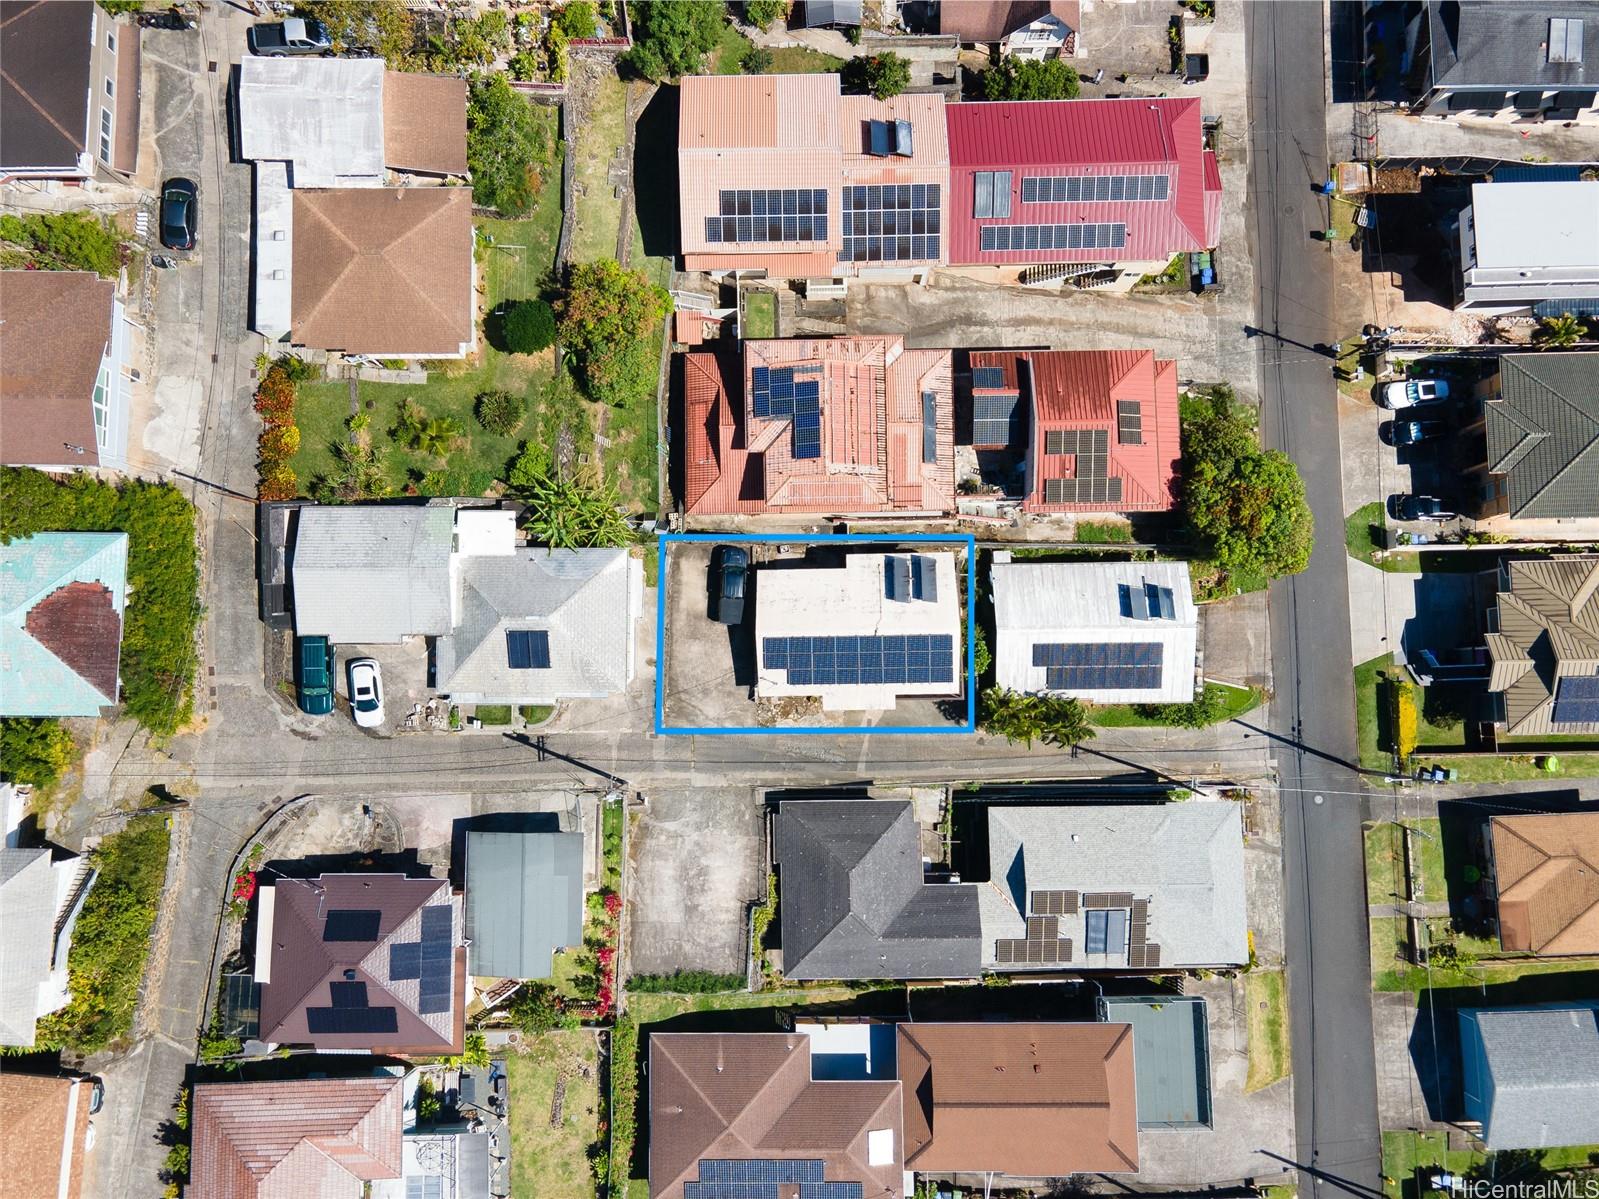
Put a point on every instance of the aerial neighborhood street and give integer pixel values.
(799, 599)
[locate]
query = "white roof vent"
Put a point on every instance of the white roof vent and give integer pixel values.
(280, 235)
(277, 274)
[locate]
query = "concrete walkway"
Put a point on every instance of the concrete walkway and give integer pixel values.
(1380, 603)
(1435, 909)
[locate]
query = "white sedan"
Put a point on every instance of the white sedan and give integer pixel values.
(1413, 393)
(366, 692)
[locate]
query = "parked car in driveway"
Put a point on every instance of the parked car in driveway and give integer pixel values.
(180, 214)
(366, 692)
(1409, 432)
(1413, 393)
(313, 671)
(294, 36)
(730, 568)
(1423, 507)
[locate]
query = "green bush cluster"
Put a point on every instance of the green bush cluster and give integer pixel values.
(1028, 79)
(529, 326)
(111, 939)
(1206, 709)
(158, 652)
(686, 982)
(672, 37)
(34, 751)
(624, 1099)
(881, 76)
(64, 241)
(503, 142)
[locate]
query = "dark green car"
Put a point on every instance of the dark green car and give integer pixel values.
(313, 670)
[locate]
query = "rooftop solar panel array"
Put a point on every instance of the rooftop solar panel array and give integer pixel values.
(1099, 666)
(988, 376)
(869, 660)
(527, 649)
(809, 1169)
(929, 428)
(1085, 236)
(1129, 422)
(1042, 946)
(1087, 189)
(437, 960)
(352, 924)
(337, 1020)
(1577, 700)
(780, 214)
(995, 417)
(892, 222)
(1147, 602)
(1083, 491)
(776, 392)
(910, 577)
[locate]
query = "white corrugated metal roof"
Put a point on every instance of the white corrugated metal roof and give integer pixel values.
(1080, 602)
(324, 116)
(274, 250)
(373, 574)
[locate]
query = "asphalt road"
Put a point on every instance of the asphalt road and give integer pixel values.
(1334, 1066)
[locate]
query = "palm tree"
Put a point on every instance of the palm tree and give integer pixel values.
(1560, 331)
(409, 423)
(435, 438)
(1028, 718)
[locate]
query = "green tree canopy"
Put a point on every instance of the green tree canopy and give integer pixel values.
(607, 315)
(529, 326)
(503, 144)
(762, 13)
(34, 751)
(577, 18)
(381, 26)
(1558, 332)
(880, 75)
(1245, 506)
(1024, 718)
(1029, 79)
(672, 37)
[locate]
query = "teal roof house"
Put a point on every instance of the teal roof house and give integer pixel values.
(62, 597)
(524, 900)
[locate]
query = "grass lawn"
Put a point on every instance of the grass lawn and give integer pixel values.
(787, 60)
(760, 314)
(1391, 973)
(1406, 1153)
(1491, 768)
(1266, 997)
(550, 1160)
(536, 713)
(1363, 538)
(1126, 716)
(598, 214)
(1385, 862)
(1210, 583)
(1101, 532)
(1372, 722)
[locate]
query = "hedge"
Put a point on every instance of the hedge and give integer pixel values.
(686, 982)
(158, 652)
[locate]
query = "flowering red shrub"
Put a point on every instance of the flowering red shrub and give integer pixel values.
(606, 955)
(274, 397)
(613, 904)
(244, 884)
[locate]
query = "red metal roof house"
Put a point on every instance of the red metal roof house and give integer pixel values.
(819, 426)
(1113, 183)
(1103, 425)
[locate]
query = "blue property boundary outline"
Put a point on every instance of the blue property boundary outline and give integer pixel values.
(965, 539)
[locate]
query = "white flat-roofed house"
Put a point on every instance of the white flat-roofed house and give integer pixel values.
(859, 635)
(1104, 632)
(1530, 247)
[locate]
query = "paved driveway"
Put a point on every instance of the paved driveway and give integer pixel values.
(696, 866)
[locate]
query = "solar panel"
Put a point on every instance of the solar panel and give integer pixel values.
(1091, 189)
(837, 661)
(1085, 236)
(527, 649)
(1129, 422)
(352, 924)
(929, 427)
(879, 138)
(762, 1169)
(995, 418)
(924, 578)
(1576, 700)
(988, 376)
(1105, 930)
(770, 215)
(1098, 666)
(437, 960)
(892, 222)
(1095, 490)
(348, 994)
(405, 960)
(319, 1020)
(904, 138)
(1053, 903)
(1159, 599)
(896, 578)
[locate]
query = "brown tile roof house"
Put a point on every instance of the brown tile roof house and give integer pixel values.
(982, 21)
(384, 271)
(1546, 870)
(878, 437)
(45, 1119)
(1544, 647)
(319, 1138)
(424, 118)
(69, 93)
(54, 327)
(721, 1100)
(1029, 1100)
(362, 961)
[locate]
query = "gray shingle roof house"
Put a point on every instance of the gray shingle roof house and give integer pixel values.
(373, 574)
(1544, 646)
(1530, 1075)
(1542, 432)
(575, 608)
(1479, 57)
(40, 898)
(1122, 887)
(853, 901)
(524, 900)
